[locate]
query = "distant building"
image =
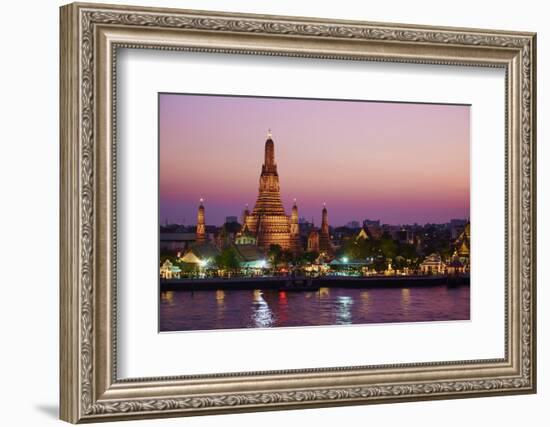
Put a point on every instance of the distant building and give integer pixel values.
(245, 237)
(353, 224)
(432, 265)
(176, 242)
(457, 222)
(404, 235)
(169, 271)
(341, 234)
(370, 222)
(456, 226)
(374, 231)
(394, 231)
(230, 219)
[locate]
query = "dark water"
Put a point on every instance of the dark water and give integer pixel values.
(204, 310)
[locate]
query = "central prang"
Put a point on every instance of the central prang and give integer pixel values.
(268, 221)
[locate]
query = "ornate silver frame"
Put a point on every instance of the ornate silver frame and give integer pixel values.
(90, 36)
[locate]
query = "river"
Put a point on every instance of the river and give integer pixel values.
(223, 309)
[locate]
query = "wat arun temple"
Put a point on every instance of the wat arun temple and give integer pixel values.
(268, 224)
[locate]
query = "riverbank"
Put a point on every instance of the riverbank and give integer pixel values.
(309, 284)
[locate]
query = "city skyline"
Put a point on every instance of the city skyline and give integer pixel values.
(398, 162)
(192, 222)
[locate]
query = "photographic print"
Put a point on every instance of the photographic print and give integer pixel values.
(293, 212)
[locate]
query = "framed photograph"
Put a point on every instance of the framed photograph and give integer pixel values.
(266, 212)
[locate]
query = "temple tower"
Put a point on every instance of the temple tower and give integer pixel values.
(324, 236)
(201, 227)
(313, 240)
(268, 220)
(295, 245)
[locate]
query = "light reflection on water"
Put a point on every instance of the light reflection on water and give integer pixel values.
(230, 309)
(220, 305)
(167, 297)
(365, 302)
(344, 310)
(261, 314)
(405, 300)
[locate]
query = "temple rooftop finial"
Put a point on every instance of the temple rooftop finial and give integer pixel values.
(269, 134)
(201, 200)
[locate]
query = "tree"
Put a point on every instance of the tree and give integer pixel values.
(167, 254)
(275, 254)
(388, 246)
(407, 251)
(399, 262)
(308, 257)
(287, 256)
(187, 268)
(380, 264)
(358, 248)
(228, 259)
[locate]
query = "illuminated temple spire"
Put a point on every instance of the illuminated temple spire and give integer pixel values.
(294, 244)
(324, 235)
(324, 219)
(269, 157)
(201, 227)
(313, 239)
(268, 220)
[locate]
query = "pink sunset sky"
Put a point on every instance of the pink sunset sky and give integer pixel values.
(398, 162)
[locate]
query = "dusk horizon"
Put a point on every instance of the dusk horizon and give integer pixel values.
(400, 163)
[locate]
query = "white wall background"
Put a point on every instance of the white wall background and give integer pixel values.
(29, 171)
